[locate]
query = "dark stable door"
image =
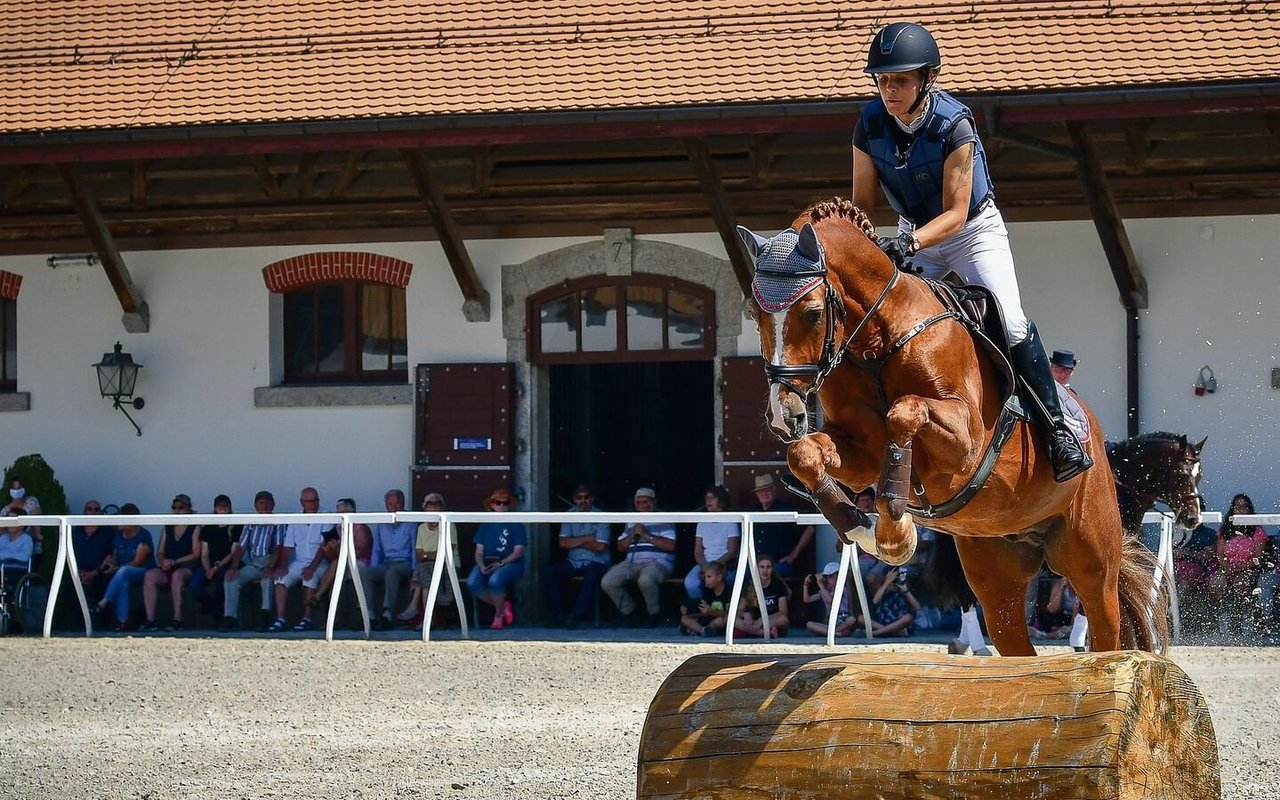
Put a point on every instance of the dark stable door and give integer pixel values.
(622, 426)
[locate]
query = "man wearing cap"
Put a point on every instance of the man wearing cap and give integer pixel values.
(392, 560)
(651, 558)
(586, 546)
(301, 559)
(779, 539)
(253, 558)
(1062, 363)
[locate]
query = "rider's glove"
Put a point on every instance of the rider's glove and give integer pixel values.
(899, 248)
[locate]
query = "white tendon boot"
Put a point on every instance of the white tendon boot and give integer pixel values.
(960, 645)
(976, 642)
(1079, 632)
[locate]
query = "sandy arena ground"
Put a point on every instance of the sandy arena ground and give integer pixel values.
(191, 717)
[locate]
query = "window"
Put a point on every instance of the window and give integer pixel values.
(8, 345)
(603, 319)
(345, 332)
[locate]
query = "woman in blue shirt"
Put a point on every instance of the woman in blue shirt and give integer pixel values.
(500, 550)
(133, 553)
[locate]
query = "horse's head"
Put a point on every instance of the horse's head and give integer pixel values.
(797, 312)
(1183, 492)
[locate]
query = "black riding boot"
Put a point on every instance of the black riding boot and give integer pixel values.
(1069, 458)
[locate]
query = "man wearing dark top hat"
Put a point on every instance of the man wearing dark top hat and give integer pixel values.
(1062, 363)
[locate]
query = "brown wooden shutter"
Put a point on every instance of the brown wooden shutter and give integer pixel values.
(749, 447)
(463, 441)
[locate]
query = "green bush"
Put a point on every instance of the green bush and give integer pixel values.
(42, 485)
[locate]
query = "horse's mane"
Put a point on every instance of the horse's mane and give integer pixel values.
(841, 208)
(1153, 437)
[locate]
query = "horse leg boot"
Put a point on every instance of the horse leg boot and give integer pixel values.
(1068, 457)
(895, 531)
(851, 524)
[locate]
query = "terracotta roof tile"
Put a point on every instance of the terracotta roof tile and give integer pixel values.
(147, 63)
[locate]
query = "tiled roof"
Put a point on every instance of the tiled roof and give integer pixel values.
(101, 64)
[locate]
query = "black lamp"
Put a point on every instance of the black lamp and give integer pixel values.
(117, 375)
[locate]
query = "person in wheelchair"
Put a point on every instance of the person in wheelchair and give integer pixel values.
(16, 549)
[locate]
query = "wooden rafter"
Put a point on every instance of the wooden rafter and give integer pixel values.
(721, 212)
(270, 186)
(18, 184)
(1106, 218)
(1137, 141)
(137, 317)
(138, 183)
(307, 174)
(351, 171)
(475, 299)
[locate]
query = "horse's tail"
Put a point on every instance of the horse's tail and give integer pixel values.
(1144, 606)
(944, 575)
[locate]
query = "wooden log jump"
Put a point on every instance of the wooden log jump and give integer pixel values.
(921, 725)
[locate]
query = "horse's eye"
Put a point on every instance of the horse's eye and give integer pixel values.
(812, 316)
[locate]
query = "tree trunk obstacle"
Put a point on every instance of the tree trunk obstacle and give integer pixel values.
(921, 725)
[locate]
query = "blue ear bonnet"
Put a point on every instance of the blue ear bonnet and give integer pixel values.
(788, 266)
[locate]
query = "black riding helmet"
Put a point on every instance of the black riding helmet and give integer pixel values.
(903, 47)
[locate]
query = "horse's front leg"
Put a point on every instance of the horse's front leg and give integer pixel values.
(820, 458)
(943, 429)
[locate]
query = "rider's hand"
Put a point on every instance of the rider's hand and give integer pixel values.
(899, 248)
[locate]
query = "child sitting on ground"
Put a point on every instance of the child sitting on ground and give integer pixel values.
(819, 591)
(712, 609)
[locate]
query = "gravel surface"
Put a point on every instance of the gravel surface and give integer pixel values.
(191, 717)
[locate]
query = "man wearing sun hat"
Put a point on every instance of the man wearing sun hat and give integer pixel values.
(780, 539)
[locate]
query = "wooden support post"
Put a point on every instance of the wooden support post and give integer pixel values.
(1106, 218)
(475, 306)
(136, 317)
(1122, 726)
(718, 202)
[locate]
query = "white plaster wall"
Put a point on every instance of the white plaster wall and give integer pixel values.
(1213, 296)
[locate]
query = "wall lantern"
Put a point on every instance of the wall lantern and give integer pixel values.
(117, 375)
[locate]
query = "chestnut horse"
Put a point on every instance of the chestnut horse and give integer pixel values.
(910, 402)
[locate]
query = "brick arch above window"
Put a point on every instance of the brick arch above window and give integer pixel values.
(312, 269)
(10, 284)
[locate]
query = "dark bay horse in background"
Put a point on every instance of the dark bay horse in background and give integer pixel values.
(910, 402)
(1157, 466)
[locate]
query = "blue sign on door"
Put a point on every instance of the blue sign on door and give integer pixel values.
(472, 443)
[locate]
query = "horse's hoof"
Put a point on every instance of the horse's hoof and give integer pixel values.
(957, 647)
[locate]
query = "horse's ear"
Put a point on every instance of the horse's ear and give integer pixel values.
(809, 246)
(1200, 446)
(754, 243)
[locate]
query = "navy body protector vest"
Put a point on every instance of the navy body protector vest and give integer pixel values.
(914, 184)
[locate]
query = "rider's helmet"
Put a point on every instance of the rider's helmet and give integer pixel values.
(902, 47)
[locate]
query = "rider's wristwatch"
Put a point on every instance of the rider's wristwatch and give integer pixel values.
(915, 245)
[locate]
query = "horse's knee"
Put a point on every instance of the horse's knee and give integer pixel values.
(807, 458)
(905, 418)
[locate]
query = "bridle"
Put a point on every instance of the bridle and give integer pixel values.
(833, 307)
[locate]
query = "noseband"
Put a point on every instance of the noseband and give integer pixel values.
(785, 374)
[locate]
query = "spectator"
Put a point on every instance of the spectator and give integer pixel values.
(780, 537)
(708, 612)
(16, 547)
(893, 605)
(253, 558)
(19, 500)
(91, 545)
(176, 558)
(133, 553)
(871, 568)
(1194, 564)
(1238, 552)
(777, 599)
(586, 546)
(818, 594)
(426, 548)
(213, 544)
(392, 562)
(651, 558)
(301, 560)
(1055, 620)
(714, 541)
(330, 547)
(1268, 586)
(1061, 364)
(500, 550)
(361, 535)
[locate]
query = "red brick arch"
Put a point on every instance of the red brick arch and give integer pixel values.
(315, 268)
(10, 283)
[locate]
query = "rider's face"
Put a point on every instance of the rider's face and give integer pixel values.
(898, 90)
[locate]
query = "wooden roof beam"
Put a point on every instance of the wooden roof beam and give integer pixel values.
(1106, 218)
(137, 316)
(721, 212)
(475, 304)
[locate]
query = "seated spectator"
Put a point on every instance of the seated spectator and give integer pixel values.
(426, 548)
(301, 560)
(871, 568)
(893, 606)
(1268, 585)
(500, 550)
(651, 558)
(20, 501)
(213, 544)
(777, 597)
(785, 539)
(1238, 554)
(392, 562)
(330, 546)
(16, 549)
(253, 558)
(361, 535)
(714, 541)
(818, 594)
(1196, 560)
(133, 553)
(708, 612)
(1053, 619)
(586, 546)
(91, 545)
(177, 557)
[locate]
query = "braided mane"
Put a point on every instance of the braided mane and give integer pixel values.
(844, 209)
(1151, 437)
